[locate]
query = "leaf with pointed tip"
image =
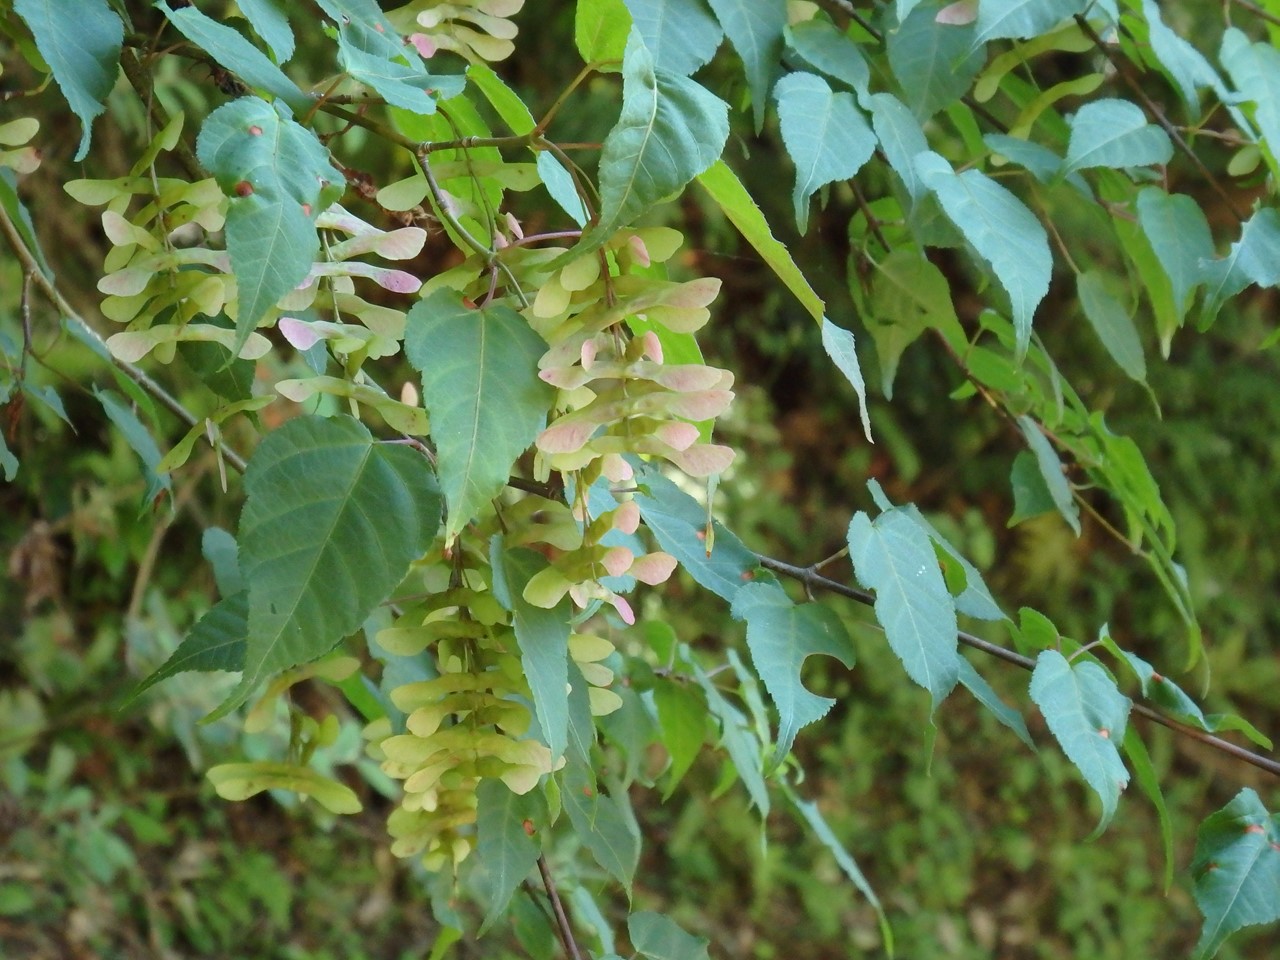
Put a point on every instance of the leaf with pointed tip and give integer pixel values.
(559, 183)
(271, 23)
(1185, 65)
(1001, 229)
(934, 63)
(543, 636)
(739, 740)
(844, 860)
(1051, 471)
(755, 30)
(1254, 69)
(480, 385)
(840, 347)
(605, 825)
(233, 51)
(215, 642)
(670, 130)
(679, 523)
(1112, 323)
(278, 178)
(825, 133)
(741, 209)
(894, 557)
(1115, 133)
(1237, 870)
(909, 295)
(505, 846)
(370, 50)
(820, 46)
(682, 35)
(1254, 258)
(660, 938)
(332, 521)
(977, 684)
(901, 139)
(1022, 19)
(781, 635)
(80, 40)
(1087, 716)
(1178, 232)
(682, 722)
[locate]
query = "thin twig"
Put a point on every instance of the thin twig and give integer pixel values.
(1154, 111)
(562, 919)
(134, 373)
(1257, 11)
(811, 578)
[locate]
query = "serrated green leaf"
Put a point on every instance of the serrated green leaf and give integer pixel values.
(681, 35)
(240, 781)
(781, 636)
(825, 133)
(819, 45)
(901, 139)
(215, 642)
(139, 439)
(1022, 19)
(332, 521)
(605, 824)
(739, 740)
(1041, 162)
(233, 51)
(7, 460)
(933, 62)
(670, 130)
(1178, 232)
(1184, 64)
(660, 938)
(1237, 870)
(480, 384)
(1254, 258)
(1144, 773)
(1051, 471)
(841, 348)
(271, 23)
(543, 636)
(682, 724)
(909, 295)
(844, 860)
(679, 523)
(894, 557)
(755, 30)
(600, 29)
(371, 51)
(1087, 716)
(1031, 496)
(738, 205)
(1001, 229)
(1115, 133)
(1112, 323)
(80, 40)
(278, 177)
(1254, 69)
(505, 849)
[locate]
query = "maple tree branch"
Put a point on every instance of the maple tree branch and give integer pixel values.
(563, 927)
(811, 578)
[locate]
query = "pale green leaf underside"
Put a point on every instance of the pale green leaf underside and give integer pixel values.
(894, 557)
(825, 133)
(480, 385)
(80, 40)
(1021, 19)
(1086, 715)
(824, 48)
(1112, 323)
(933, 62)
(681, 35)
(781, 635)
(1051, 472)
(1237, 870)
(1001, 229)
(841, 348)
(332, 521)
(1178, 232)
(755, 30)
(271, 23)
(657, 937)
(1115, 133)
